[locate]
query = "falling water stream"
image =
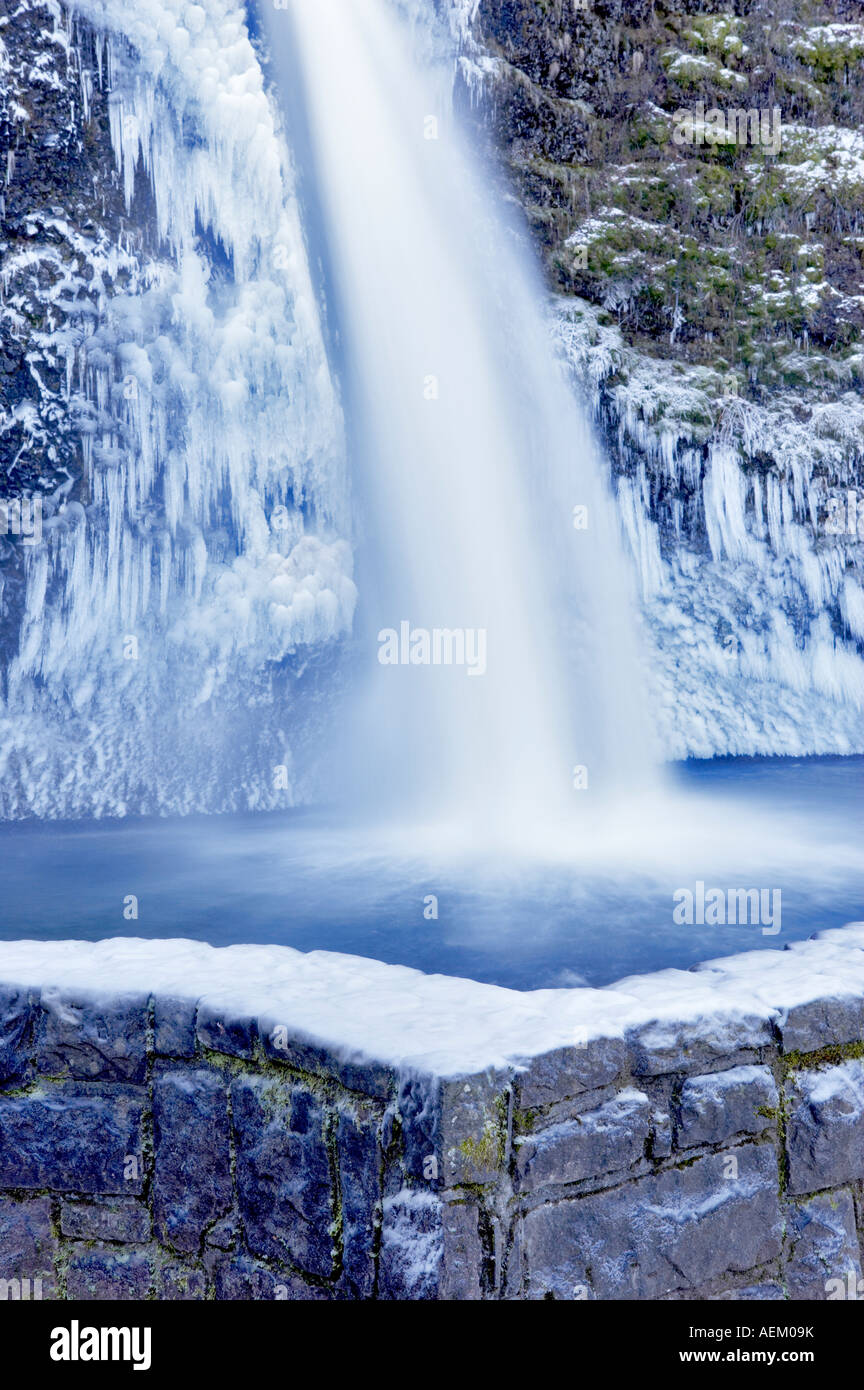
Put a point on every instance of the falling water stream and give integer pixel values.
(478, 485)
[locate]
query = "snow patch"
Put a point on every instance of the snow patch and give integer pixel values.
(362, 1010)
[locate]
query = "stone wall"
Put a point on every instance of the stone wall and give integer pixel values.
(167, 1148)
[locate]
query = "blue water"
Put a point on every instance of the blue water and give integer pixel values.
(291, 879)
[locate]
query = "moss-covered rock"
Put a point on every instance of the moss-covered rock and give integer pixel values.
(737, 251)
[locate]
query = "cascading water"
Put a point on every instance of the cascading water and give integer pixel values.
(477, 480)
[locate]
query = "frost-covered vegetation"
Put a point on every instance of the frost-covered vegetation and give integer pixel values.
(710, 298)
(722, 254)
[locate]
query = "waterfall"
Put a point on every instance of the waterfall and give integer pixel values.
(477, 482)
(316, 400)
(184, 616)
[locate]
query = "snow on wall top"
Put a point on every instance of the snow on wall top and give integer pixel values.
(364, 1011)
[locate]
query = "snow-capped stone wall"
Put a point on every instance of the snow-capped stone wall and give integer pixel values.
(183, 1122)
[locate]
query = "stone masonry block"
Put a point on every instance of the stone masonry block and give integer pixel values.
(113, 1219)
(714, 1108)
(825, 1128)
(73, 1138)
(430, 1248)
(283, 1173)
(674, 1230)
(192, 1167)
(824, 1246)
(608, 1139)
(27, 1249)
(17, 1011)
(98, 1039)
(96, 1273)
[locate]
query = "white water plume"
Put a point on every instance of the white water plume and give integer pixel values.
(468, 450)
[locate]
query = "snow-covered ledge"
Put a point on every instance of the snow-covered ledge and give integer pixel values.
(179, 1121)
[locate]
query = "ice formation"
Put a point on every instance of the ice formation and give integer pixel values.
(751, 595)
(214, 543)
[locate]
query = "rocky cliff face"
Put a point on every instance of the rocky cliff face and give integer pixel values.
(67, 244)
(172, 563)
(693, 176)
(743, 255)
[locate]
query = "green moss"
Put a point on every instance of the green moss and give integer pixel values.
(488, 1151)
(696, 71)
(831, 1055)
(830, 49)
(484, 1152)
(719, 33)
